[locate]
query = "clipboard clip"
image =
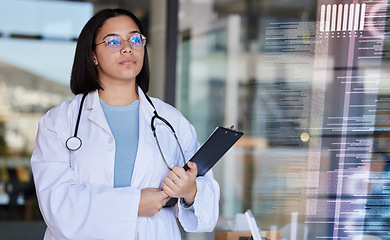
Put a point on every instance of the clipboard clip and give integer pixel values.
(233, 130)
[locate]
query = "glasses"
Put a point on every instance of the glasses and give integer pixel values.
(115, 43)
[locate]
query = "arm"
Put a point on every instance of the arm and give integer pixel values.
(73, 210)
(201, 193)
(204, 215)
(204, 212)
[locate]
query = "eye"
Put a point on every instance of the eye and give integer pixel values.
(114, 42)
(136, 39)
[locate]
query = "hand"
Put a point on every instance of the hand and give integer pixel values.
(152, 201)
(181, 183)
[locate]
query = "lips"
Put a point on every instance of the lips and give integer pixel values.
(127, 62)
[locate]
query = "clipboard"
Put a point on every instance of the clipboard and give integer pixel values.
(218, 143)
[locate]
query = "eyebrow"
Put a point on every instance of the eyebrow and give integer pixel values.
(114, 34)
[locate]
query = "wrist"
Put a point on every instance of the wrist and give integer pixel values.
(189, 200)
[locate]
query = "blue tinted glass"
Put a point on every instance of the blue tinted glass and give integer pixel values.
(114, 42)
(136, 40)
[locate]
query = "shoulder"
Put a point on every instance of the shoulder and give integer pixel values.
(173, 115)
(60, 114)
(165, 108)
(184, 129)
(63, 108)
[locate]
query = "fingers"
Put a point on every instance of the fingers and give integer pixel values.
(169, 187)
(166, 200)
(177, 171)
(153, 189)
(152, 201)
(181, 183)
(172, 175)
(163, 199)
(193, 168)
(192, 165)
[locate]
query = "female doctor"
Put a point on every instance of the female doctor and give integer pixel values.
(98, 169)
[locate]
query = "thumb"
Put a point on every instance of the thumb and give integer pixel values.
(153, 189)
(193, 167)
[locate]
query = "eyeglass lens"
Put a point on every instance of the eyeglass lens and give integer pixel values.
(137, 42)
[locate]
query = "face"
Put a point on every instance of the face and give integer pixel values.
(124, 63)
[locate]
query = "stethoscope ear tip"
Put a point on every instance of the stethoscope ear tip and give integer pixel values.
(73, 143)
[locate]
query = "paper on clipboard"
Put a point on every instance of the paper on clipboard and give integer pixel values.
(218, 143)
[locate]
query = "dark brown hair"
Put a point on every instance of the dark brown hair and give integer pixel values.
(84, 78)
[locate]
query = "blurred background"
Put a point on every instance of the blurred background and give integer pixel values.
(308, 82)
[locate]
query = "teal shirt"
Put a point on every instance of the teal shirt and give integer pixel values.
(124, 125)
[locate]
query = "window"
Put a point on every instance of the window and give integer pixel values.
(306, 81)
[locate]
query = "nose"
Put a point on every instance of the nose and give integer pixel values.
(126, 47)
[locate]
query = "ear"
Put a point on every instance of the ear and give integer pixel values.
(95, 59)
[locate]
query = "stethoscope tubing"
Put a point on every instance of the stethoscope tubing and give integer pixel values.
(74, 143)
(79, 115)
(156, 115)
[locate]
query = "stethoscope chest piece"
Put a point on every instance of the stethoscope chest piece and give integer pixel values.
(73, 143)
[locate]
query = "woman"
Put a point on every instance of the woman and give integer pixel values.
(114, 183)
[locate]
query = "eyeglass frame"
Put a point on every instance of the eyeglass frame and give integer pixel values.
(143, 39)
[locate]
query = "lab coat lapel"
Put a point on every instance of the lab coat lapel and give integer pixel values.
(96, 115)
(146, 154)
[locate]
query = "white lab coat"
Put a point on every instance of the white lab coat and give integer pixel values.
(75, 188)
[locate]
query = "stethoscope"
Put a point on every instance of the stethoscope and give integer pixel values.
(74, 143)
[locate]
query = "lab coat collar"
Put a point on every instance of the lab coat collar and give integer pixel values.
(144, 103)
(92, 101)
(96, 114)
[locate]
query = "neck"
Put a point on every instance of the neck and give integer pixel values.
(119, 95)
